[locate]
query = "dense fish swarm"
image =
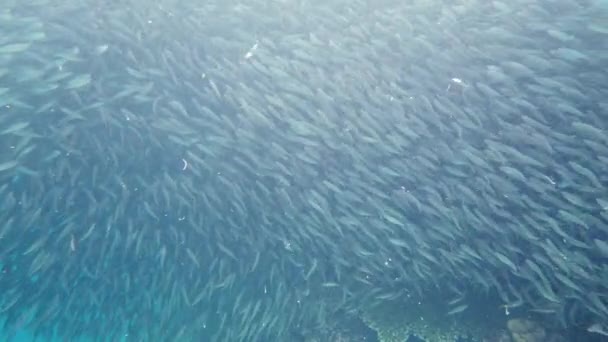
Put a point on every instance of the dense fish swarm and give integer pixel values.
(240, 171)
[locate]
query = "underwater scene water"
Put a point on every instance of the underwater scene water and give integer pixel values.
(304, 170)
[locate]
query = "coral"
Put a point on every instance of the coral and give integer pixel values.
(523, 330)
(497, 336)
(398, 326)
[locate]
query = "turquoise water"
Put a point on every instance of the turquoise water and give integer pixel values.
(231, 170)
(23, 335)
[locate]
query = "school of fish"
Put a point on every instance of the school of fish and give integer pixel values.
(235, 171)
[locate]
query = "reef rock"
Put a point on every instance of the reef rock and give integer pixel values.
(523, 330)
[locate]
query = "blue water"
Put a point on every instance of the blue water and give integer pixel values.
(23, 335)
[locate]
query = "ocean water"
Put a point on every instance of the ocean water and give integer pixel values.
(304, 171)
